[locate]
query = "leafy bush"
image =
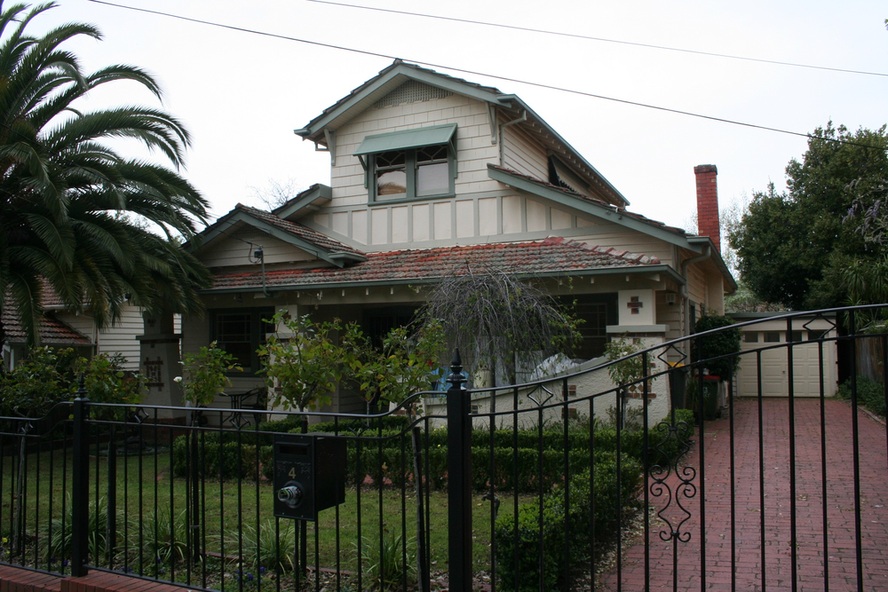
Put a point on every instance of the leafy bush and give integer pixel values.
(270, 547)
(384, 562)
(719, 352)
(44, 378)
(870, 394)
(566, 535)
(162, 538)
(61, 535)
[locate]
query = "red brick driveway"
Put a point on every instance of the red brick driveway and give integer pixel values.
(758, 556)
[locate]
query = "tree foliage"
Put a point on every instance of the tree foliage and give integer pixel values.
(205, 373)
(304, 363)
(719, 351)
(403, 365)
(493, 318)
(793, 246)
(77, 216)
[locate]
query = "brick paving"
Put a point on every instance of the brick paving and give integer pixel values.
(826, 557)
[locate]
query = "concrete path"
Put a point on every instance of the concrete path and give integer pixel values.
(766, 506)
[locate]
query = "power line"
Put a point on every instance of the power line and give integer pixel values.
(601, 39)
(460, 70)
(472, 72)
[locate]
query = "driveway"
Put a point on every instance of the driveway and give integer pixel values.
(766, 506)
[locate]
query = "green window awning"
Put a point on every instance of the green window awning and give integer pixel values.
(407, 139)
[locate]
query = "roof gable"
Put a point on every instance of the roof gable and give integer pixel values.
(322, 129)
(300, 236)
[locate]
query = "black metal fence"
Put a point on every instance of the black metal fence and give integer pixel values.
(572, 483)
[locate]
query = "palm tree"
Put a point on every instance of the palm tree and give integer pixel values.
(76, 216)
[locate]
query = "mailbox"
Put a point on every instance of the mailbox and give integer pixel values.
(309, 474)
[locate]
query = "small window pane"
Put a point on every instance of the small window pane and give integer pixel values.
(772, 336)
(388, 159)
(432, 179)
(431, 153)
(751, 337)
(391, 184)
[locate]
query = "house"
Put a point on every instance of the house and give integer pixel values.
(61, 327)
(430, 174)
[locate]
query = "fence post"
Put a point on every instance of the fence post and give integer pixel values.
(459, 478)
(80, 486)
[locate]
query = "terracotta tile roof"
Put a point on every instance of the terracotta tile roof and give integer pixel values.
(552, 256)
(52, 331)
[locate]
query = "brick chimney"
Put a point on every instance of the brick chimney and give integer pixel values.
(707, 203)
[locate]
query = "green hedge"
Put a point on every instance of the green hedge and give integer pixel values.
(566, 535)
(870, 394)
(537, 464)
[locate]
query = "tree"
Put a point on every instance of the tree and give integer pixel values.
(794, 246)
(498, 321)
(303, 366)
(77, 217)
(405, 363)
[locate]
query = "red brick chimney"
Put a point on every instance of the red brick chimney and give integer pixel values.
(707, 203)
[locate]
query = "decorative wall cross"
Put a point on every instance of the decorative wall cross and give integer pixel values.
(634, 305)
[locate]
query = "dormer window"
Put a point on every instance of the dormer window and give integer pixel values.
(411, 164)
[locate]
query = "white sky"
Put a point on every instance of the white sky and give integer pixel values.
(242, 95)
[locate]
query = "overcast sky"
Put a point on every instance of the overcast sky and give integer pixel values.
(242, 94)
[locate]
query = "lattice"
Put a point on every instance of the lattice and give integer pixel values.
(412, 92)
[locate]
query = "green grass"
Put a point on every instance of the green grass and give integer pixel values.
(145, 489)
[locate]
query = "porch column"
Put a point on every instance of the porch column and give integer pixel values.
(159, 360)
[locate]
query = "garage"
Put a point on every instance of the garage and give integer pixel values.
(813, 354)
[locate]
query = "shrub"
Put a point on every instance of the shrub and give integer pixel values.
(162, 538)
(870, 394)
(385, 561)
(566, 535)
(61, 535)
(270, 547)
(219, 457)
(719, 351)
(44, 378)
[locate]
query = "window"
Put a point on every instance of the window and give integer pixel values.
(240, 332)
(410, 164)
(597, 311)
(750, 337)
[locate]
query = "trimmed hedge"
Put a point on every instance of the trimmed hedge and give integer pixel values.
(563, 535)
(384, 453)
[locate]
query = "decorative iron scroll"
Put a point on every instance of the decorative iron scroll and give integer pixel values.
(674, 484)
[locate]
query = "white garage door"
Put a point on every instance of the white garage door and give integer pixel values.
(809, 357)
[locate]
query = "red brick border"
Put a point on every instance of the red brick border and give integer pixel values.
(14, 579)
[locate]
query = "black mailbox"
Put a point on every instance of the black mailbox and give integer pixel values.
(309, 474)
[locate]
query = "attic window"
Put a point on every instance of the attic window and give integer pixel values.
(410, 164)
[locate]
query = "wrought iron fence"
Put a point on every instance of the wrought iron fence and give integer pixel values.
(667, 480)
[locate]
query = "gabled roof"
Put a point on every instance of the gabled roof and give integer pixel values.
(591, 205)
(320, 129)
(52, 331)
(552, 257)
(300, 236)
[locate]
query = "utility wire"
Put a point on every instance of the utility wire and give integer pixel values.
(601, 39)
(462, 70)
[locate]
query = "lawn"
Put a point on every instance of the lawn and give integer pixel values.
(151, 536)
